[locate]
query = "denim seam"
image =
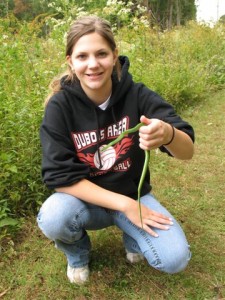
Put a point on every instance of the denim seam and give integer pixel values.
(77, 216)
(148, 241)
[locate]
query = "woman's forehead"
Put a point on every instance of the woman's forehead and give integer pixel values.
(91, 42)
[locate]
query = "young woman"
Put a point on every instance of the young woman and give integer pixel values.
(90, 106)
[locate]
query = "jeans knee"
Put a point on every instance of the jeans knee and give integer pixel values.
(173, 263)
(49, 221)
(56, 220)
(176, 265)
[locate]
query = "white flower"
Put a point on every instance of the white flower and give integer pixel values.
(51, 4)
(59, 9)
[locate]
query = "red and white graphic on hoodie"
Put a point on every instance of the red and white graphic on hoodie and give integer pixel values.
(111, 154)
(109, 157)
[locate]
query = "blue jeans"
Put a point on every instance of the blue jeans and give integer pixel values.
(66, 219)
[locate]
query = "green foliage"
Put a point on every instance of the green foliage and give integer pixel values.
(163, 13)
(124, 13)
(5, 7)
(166, 14)
(29, 9)
(181, 64)
(22, 89)
(222, 19)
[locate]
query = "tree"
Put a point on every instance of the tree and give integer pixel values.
(168, 13)
(222, 19)
(5, 7)
(20, 7)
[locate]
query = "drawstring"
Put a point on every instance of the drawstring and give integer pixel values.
(98, 134)
(114, 118)
(98, 140)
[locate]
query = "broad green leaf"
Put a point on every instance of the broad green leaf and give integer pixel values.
(8, 222)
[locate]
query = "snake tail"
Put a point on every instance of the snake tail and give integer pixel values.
(144, 170)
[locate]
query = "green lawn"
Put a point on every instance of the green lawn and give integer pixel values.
(193, 191)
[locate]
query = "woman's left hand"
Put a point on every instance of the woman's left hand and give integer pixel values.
(154, 134)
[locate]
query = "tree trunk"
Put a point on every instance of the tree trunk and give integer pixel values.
(178, 12)
(170, 14)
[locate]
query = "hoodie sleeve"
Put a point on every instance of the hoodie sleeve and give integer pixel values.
(60, 165)
(154, 106)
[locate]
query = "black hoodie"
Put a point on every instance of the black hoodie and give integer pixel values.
(74, 129)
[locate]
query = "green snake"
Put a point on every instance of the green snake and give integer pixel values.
(146, 162)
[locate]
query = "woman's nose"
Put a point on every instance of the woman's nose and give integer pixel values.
(92, 62)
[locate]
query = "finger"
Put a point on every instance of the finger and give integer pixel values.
(147, 213)
(149, 230)
(144, 142)
(148, 129)
(147, 133)
(161, 220)
(149, 144)
(145, 120)
(153, 213)
(157, 225)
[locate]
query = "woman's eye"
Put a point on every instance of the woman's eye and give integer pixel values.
(81, 56)
(102, 54)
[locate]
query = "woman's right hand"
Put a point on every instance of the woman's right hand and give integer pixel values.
(150, 218)
(102, 197)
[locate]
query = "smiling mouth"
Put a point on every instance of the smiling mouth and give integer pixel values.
(95, 74)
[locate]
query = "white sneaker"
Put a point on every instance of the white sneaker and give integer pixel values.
(134, 257)
(78, 275)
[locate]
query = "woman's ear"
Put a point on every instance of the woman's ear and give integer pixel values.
(115, 56)
(68, 59)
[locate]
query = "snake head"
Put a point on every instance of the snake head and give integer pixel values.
(105, 147)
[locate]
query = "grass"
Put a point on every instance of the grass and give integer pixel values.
(193, 191)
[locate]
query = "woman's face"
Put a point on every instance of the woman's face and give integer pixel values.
(92, 61)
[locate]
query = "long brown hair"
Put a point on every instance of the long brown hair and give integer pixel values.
(82, 26)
